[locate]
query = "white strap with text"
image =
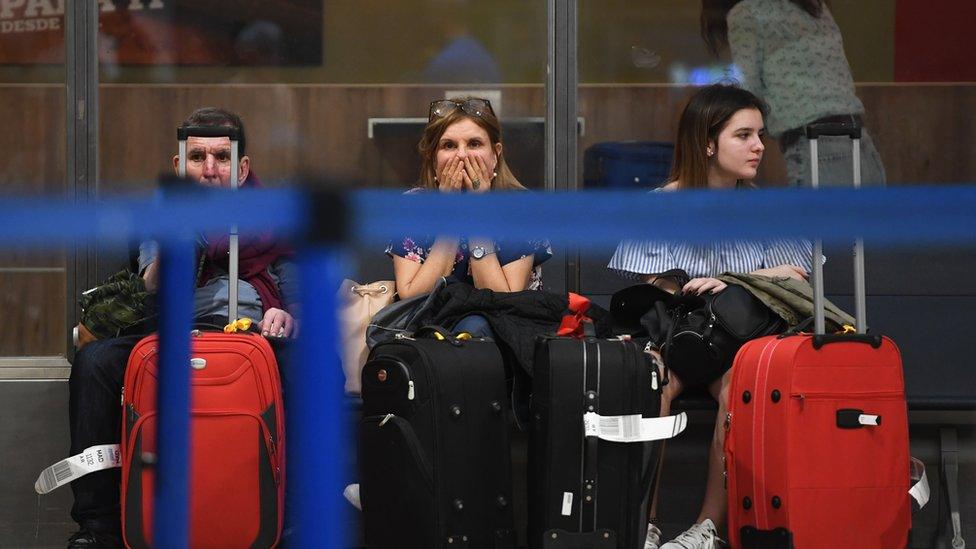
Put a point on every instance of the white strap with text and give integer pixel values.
(94, 458)
(633, 428)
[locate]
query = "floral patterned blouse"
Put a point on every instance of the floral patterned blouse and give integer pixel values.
(416, 249)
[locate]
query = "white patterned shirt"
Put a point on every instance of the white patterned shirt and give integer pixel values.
(636, 259)
(793, 61)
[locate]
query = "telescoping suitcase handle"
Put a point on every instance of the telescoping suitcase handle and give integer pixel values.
(182, 134)
(850, 128)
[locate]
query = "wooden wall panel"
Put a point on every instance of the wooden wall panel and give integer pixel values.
(32, 139)
(33, 309)
(292, 130)
(924, 132)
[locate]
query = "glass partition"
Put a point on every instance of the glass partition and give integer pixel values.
(32, 106)
(639, 63)
(332, 89)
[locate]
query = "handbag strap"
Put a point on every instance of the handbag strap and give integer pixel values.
(376, 288)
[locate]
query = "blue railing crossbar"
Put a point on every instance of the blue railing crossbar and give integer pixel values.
(903, 216)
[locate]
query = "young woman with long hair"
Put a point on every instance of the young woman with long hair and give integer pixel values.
(719, 147)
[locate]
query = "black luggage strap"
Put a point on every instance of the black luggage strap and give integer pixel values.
(591, 403)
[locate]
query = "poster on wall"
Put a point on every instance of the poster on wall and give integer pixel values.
(170, 32)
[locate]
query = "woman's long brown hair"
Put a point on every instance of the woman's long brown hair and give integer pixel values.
(704, 117)
(715, 29)
(505, 181)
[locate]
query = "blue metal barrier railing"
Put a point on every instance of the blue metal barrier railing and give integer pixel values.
(172, 490)
(894, 216)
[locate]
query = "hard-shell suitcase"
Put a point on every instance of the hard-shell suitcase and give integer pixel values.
(627, 165)
(434, 451)
(595, 407)
(816, 449)
(237, 427)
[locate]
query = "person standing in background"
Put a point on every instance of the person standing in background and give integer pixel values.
(791, 54)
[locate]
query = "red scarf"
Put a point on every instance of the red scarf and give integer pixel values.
(255, 255)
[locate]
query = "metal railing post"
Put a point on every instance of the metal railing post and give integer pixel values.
(172, 480)
(316, 388)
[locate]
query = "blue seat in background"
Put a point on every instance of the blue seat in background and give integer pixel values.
(627, 164)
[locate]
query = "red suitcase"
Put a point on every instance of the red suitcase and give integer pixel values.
(816, 449)
(237, 434)
(237, 430)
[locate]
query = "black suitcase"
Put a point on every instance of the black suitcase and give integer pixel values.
(584, 490)
(435, 460)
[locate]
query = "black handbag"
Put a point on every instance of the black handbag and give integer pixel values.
(699, 335)
(401, 317)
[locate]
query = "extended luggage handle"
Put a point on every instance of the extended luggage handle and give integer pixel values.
(852, 129)
(183, 133)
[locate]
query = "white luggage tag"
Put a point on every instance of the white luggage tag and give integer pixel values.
(93, 458)
(633, 428)
(919, 491)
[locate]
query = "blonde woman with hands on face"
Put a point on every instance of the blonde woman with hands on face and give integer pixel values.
(462, 151)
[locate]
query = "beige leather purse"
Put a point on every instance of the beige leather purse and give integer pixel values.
(357, 305)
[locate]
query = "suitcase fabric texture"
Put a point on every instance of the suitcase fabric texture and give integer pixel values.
(627, 165)
(586, 492)
(237, 431)
(237, 425)
(816, 448)
(434, 450)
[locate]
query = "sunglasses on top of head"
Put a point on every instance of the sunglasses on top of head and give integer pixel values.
(474, 107)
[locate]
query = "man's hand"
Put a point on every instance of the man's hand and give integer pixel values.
(278, 323)
(151, 277)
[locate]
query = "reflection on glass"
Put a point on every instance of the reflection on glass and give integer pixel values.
(899, 66)
(791, 54)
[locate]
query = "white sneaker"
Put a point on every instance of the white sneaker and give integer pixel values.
(351, 494)
(653, 540)
(700, 536)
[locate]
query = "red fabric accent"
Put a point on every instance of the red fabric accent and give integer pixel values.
(255, 255)
(572, 324)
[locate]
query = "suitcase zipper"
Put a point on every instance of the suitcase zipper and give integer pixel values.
(813, 395)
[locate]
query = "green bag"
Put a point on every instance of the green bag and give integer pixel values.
(119, 306)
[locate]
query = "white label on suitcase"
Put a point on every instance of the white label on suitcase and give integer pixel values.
(94, 458)
(567, 504)
(633, 428)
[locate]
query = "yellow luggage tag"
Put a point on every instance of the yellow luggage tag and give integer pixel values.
(239, 325)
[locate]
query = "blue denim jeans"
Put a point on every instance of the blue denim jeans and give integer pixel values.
(836, 160)
(476, 325)
(94, 416)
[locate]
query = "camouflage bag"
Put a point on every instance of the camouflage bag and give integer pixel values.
(119, 306)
